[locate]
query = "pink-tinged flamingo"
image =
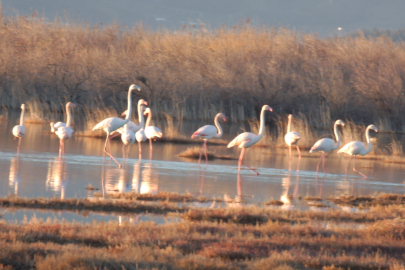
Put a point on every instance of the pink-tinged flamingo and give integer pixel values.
(128, 138)
(326, 144)
(19, 130)
(114, 123)
(358, 148)
(207, 132)
(292, 138)
(55, 126)
(65, 132)
(247, 139)
(151, 132)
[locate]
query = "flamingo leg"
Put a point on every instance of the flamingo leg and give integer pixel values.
(299, 158)
(140, 150)
(18, 147)
(105, 150)
(206, 157)
(242, 153)
(128, 148)
(289, 158)
(354, 169)
(199, 160)
(150, 149)
(317, 166)
(323, 162)
(347, 167)
(123, 151)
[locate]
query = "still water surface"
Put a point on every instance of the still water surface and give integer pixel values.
(38, 171)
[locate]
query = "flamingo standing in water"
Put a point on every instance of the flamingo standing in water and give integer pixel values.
(19, 130)
(358, 148)
(55, 126)
(326, 144)
(151, 132)
(140, 135)
(207, 132)
(292, 138)
(247, 139)
(65, 131)
(128, 138)
(114, 123)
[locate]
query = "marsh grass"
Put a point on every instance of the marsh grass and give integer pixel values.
(54, 244)
(194, 153)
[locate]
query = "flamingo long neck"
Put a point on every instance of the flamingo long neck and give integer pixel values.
(129, 109)
(337, 145)
(141, 118)
(149, 118)
(219, 134)
(22, 117)
(289, 124)
(68, 120)
(368, 141)
(261, 128)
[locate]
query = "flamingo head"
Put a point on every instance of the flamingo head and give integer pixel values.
(70, 104)
(340, 122)
(142, 102)
(146, 111)
(22, 106)
(222, 116)
(134, 87)
(267, 108)
(290, 116)
(373, 128)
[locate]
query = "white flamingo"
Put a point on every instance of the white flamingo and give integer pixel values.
(114, 123)
(151, 132)
(19, 130)
(55, 126)
(358, 148)
(247, 139)
(140, 135)
(207, 132)
(292, 138)
(326, 144)
(65, 131)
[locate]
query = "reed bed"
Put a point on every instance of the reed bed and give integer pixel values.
(271, 244)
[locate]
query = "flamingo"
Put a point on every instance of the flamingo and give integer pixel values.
(326, 144)
(114, 123)
(19, 130)
(151, 132)
(207, 132)
(292, 138)
(140, 135)
(55, 126)
(358, 148)
(65, 131)
(128, 138)
(247, 139)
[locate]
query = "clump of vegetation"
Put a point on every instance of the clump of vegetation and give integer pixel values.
(194, 153)
(368, 201)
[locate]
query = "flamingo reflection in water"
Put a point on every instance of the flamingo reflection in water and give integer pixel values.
(14, 178)
(145, 180)
(238, 201)
(116, 180)
(56, 179)
(287, 197)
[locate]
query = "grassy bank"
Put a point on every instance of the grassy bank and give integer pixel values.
(229, 238)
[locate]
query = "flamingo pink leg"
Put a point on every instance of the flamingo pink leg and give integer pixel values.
(319, 163)
(140, 150)
(123, 151)
(242, 153)
(201, 151)
(347, 167)
(299, 158)
(105, 150)
(323, 162)
(354, 169)
(150, 149)
(206, 157)
(19, 143)
(289, 158)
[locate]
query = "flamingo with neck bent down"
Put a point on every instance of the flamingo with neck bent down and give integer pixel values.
(207, 132)
(247, 139)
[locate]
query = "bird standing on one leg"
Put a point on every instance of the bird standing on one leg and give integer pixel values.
(326, 144)
(19, 130)
(207, 132)
(358, 148)
(247, 139)
(151, 132)
(292, 138)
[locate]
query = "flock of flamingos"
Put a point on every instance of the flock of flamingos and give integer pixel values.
(129, 131)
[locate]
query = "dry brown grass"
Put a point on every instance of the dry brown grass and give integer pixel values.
(194, 153)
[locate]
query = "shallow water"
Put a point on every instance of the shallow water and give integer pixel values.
(37, 171)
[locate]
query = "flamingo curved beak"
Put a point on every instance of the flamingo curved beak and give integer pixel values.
(224, 119)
